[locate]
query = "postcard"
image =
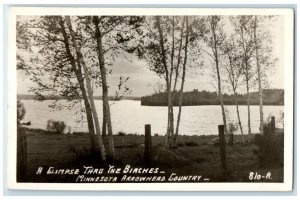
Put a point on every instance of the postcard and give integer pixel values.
(150, 99)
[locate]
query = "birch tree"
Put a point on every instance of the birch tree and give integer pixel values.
(80, 60)
(186, 21)
(162, 46)
(168, 46)
(261, 112)
(106, 111)
(47, 52)
(263, 54)
(78, 71)
(234, 72)
(214, 39)
(110, 37)
(168, 77)
(245, 41)
(190, 45)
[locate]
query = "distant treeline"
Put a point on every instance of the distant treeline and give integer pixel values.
(270, 97)
(52, 97)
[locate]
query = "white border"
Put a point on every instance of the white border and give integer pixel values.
(288, 108)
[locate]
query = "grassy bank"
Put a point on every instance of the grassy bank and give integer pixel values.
(194, 155)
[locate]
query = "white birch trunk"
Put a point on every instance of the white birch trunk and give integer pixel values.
(261, 112)
(111, 149)
(89, 89)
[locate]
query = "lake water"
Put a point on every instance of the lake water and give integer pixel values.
(130, 117)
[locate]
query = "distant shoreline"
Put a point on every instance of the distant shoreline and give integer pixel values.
(271, 97)
(136, 99)
(25, 99)
(48, 97)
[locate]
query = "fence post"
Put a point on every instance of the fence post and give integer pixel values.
(230, 139)
(222, 144)
(272, 125)
(21, 154)
(148, 145)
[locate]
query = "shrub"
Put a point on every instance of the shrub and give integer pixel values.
(269, 148)
(20, 111)
(232, 127)
(191, 144)
(120, 133)
(281, 119)
(180, 144)
(56, 126)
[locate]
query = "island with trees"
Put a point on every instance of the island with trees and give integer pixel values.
(195, 98)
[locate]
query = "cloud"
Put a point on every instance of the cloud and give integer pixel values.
(125, 67)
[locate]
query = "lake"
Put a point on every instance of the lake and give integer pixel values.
(130, 117)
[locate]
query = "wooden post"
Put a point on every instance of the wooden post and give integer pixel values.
(272, 125)
(230, 139)
(21, 155)
(222, 144)
(148, 145)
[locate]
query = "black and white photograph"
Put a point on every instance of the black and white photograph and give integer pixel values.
(153, 99)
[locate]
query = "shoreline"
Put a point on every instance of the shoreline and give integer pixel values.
(121, 133)
(25, 99)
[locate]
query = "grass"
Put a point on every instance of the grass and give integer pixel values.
(194, 155)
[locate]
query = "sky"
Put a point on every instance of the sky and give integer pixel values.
(143, 82)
